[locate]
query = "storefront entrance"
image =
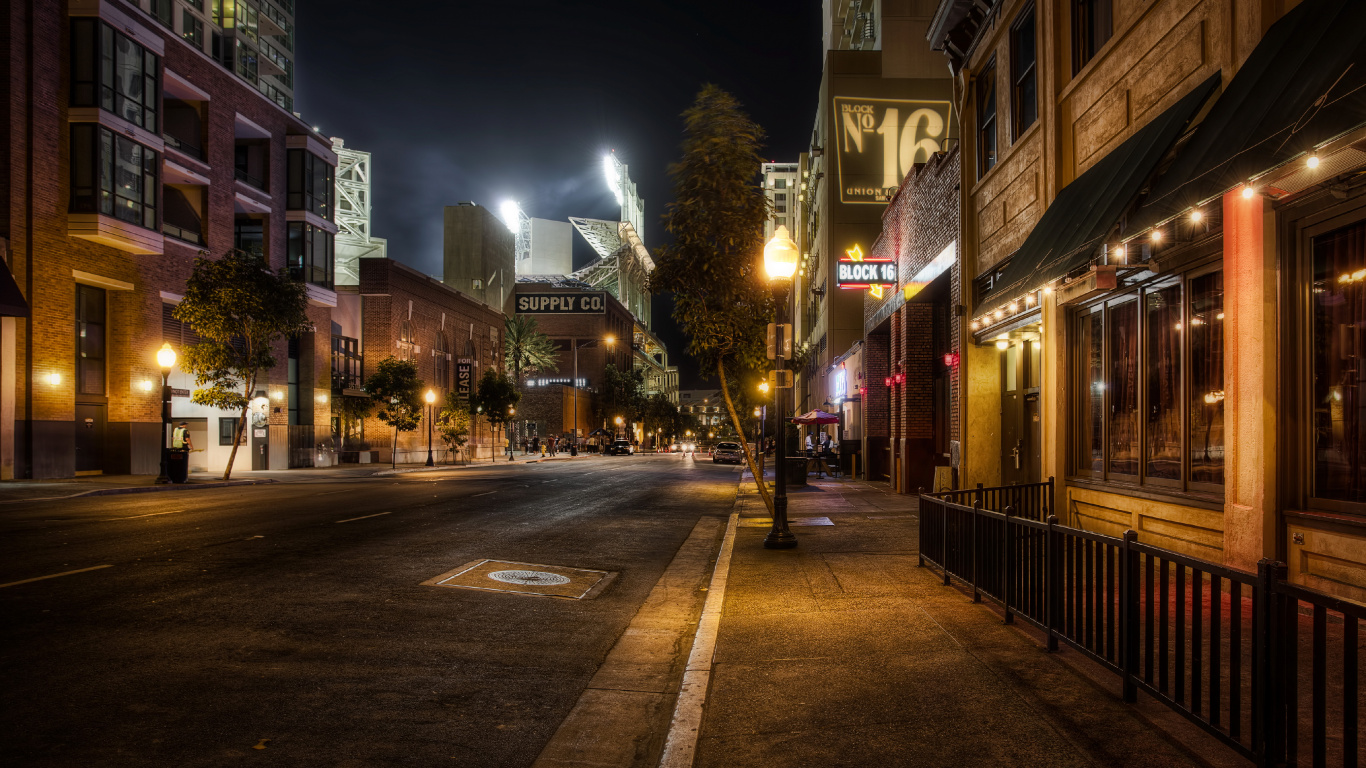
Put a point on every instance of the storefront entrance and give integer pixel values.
(1021, 457)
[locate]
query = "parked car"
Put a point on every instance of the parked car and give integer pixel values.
(620, 448)
(727, 452)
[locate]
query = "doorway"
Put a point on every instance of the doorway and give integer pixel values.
(1021, 450)
(90, 428)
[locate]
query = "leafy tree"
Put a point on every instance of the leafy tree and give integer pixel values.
(453, 423)
(526, 349)
(351, 411)
(661, 417)
(397, 391)
(240, 310)
(714, 266)
(622, 394)
(497, 395)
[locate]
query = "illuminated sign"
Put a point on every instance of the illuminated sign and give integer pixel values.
(562, 303)
(881, 140)
(841, 383)
(866, 273)
(930, 271)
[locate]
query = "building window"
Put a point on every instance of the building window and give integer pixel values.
(310, 255)
(441, 364)
(292, 374)
(110, 71)
(90, 340)
(192, 29)
(780, 184)
(246, 61)
(113, 175)
(1339, 347)
(310, 184)
(249, 235)
(1024, 102)
(407, 341)
(1091, 28)
(227, 430)
(346, 363)
(164, 12)
(986, 120)
(1148, 374)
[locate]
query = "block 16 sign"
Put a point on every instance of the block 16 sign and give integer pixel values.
(865, 273)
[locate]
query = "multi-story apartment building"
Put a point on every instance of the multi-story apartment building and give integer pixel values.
(129, 151)
(781, 188)
(707, 405)
(253, 38)
(1162, 243)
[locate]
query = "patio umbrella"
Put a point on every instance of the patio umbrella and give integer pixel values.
(816, 417)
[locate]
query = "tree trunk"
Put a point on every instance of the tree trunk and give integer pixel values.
(393, 455)
(744, 444)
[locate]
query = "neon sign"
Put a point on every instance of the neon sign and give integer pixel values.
(854, 272)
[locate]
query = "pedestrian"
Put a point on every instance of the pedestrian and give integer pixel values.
(810, 446)
(180, 437)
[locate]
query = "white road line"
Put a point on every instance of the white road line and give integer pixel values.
(329, 493)
(363, 517)
(680, 747)
(150, 514)
(485, 493)
(54, 575)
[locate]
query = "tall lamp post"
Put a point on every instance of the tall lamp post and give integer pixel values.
(511, 412)
(431, 399)
(166, 360)
(610, 341)
(780, 262)
(478, 410)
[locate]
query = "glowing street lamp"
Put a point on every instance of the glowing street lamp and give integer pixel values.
(780, 262)
(166, 361)
(431, 399)
(511, 412)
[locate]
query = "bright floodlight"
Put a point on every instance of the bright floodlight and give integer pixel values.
(166, 357)
(510, 213)
(780, 256)
(613, 174)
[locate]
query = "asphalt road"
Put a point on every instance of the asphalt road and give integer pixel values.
(287, 624)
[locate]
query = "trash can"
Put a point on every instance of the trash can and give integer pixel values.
(796, 471)
(178, 465)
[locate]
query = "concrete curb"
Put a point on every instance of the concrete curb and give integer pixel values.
(680, 747)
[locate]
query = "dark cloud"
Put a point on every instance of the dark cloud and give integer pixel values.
(492, 101)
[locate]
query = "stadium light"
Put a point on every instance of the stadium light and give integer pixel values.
(510, 212)
(613, 173)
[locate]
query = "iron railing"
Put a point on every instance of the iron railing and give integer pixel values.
(1269, 668)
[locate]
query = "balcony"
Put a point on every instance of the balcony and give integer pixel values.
(185, 147)
(246, 178)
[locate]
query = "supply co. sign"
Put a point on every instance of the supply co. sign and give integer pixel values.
(880, 140)
(562, 303)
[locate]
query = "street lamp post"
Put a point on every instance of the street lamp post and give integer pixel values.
(780, 262)
(511, 412)
(431, 399)
(478, 410)
(574, 445)
(166, 360)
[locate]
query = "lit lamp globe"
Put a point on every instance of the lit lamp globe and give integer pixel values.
(780, 256)
(431, 396)
(166, 357)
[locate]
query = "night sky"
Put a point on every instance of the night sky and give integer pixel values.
(492, 101)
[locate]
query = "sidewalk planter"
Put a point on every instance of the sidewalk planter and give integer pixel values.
(796, 470)
(358, 457)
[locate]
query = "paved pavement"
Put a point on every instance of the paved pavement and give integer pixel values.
(842, 652)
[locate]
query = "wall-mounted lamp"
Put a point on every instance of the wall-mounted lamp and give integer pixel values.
(55, 379)
(145, 385)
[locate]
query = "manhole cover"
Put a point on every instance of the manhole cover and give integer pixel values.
(525, 579)
(528, 577)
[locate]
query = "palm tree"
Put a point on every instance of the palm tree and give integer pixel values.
(527, 349)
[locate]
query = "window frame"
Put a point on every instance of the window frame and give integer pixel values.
(1079, 445)
(93, 80)
(303, 261)
(96, 197)
(987, 126)
(1030, 72)
(302, 182)
(82, 323)
(227, 439)
(1085, 44)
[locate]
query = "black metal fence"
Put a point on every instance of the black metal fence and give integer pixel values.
(1268, 667)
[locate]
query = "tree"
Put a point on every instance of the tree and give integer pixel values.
(351, 411)
(622, 393)
(526, 349)
(240, 310)
(713, 268)
(661, 417)
(397, 391)
(497, 395)
(453, 423)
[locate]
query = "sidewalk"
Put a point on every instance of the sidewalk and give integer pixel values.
(844, 652)
(105, 485)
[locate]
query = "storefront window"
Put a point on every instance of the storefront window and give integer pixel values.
(1163, 430)
(1148, 373)
(1339, 348)
(1207, 378)
(1123, 389)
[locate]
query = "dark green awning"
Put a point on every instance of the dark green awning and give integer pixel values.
(1087, 209)
(1303, 84)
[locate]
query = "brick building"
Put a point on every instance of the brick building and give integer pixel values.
(129, 152)
(411, 316)
(575, 317)
(908, 379)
